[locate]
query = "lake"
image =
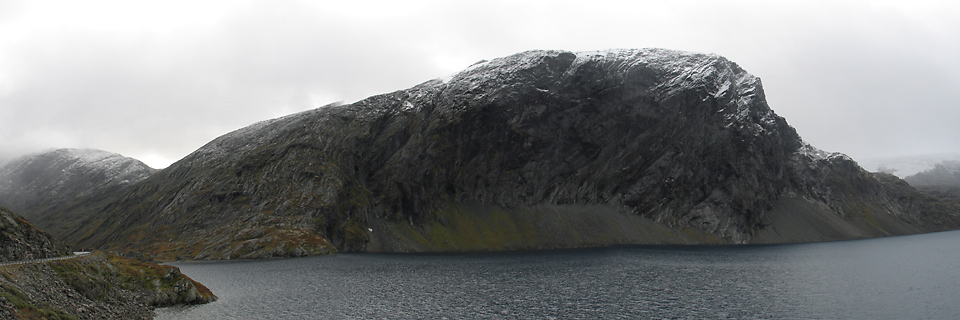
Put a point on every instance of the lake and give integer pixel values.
(905, 277)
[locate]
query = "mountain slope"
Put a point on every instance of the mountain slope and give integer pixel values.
(95, 286)
(64, 181)
(536, 150)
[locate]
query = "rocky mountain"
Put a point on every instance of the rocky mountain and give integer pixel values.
(19, 240)
(65, 180)
(542, 149)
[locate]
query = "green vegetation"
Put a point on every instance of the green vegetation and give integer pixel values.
(99, 275)
(354, 234)
(489, 228)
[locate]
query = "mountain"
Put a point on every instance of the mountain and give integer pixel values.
(946, 173)
(905, 166)
(64, 179)
(541, 149)
(941, 182)
(19, 240)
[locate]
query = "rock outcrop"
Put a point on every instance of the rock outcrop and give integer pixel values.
(19, 240)
(97, 286)
(540, 149)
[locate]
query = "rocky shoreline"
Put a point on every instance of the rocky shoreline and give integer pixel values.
(97, 286)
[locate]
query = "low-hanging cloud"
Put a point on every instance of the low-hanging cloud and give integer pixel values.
(863, 78)
(175, 92)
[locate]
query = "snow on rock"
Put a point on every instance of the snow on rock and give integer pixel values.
(33, 182)
(812, 152)
(449, 77)
(110, 167)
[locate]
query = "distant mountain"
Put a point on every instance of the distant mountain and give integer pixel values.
(946, 173)
(941, 182)
(55, 180)
(19, 240)
(542, 149)
(905, 166)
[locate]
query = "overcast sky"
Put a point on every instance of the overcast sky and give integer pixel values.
(157, 80)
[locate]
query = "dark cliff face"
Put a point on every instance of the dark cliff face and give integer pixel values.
(52, 181)
(679, 140)
(19, 240)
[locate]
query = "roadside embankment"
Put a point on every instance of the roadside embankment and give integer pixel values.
(94, 286)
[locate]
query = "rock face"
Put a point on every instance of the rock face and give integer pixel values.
(540, 149)
(831, 198)
(53, 181)
(19, 240)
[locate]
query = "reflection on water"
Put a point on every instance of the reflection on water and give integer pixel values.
(889, 278)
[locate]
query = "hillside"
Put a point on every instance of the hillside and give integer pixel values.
(542, 149)
(95, 286)
(19, 240)
(65, 180)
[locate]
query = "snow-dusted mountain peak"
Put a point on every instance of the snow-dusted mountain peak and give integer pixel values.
(28, 184)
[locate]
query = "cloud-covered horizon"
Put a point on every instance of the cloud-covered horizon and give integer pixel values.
(157, 80)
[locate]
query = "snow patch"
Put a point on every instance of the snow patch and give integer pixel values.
(722, 90)
(816, 154)
(449, 77)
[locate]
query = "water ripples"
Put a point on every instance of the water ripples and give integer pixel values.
(882, 278)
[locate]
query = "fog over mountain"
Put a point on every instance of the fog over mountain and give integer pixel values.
(157, 80)
(905, 166)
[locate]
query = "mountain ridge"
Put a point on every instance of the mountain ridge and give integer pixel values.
(49, 180)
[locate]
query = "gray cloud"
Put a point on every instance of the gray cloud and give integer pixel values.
(864, 78)
(172, 94)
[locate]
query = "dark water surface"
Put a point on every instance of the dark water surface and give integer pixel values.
(905, 277)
